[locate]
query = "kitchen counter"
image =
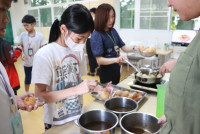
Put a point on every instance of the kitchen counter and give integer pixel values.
(148, 105)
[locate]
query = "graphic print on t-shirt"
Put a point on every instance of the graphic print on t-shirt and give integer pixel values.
(68, 75)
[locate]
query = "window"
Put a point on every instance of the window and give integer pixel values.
(45, 17)
(46, 11)
(75, 0)
(35, 3)
(178, 24)
(152, 12)
(144, 14)
(35, 14)
(59, 1)
(127, 13)
(58, 11)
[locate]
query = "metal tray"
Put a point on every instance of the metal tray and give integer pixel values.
(96, 95)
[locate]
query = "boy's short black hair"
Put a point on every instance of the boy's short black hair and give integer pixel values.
(28, 19)
(93, 10)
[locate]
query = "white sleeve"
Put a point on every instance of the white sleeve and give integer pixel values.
(42, 70)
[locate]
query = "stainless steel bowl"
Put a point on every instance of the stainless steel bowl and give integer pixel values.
(147, 54)
(139, 123)
(98, 122)
(120, 105)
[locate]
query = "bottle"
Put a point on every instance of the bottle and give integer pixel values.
(156, 44)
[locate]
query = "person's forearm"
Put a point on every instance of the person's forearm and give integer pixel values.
(54, 96)
(127, 49)
(106, 61)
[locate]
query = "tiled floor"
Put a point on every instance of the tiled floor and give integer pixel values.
(32, 121)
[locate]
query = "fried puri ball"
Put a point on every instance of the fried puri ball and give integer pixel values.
(145, 76)
(130, 96)
(126, 93)
(159, 76)
(141, 47)
(29, 101)
(139, 94)
(118, 92)
(152, 76)
(134, 95)
(104, 95)
(138, 98)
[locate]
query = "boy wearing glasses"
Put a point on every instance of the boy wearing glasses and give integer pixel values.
(30, 41)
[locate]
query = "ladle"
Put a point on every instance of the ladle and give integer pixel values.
(136, 69)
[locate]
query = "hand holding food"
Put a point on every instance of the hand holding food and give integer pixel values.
(105, 92)
(29, 101)
(104, 95)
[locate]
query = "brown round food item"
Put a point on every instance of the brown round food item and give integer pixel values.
(134, 95)
(139, 94)
(104, 95)
(138, 98)
(118, 92)
(29, 101)
(126, 93)
(130, 96)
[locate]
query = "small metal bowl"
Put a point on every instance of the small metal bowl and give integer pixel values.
(139, 123)
(98, 122)
(121, 105)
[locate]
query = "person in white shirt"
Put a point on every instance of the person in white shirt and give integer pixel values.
(31, 41)
(57, 67)
(10, 119)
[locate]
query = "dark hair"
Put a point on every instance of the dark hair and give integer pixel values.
(101, 17)
(77, 19)
(4, 50)
(28, 19)
(93, 10)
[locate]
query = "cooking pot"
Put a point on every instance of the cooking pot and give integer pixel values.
(121, 105)
(98, 122)
(148, 80)
(139, 123)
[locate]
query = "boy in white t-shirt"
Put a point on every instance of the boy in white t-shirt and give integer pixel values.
(31, 41)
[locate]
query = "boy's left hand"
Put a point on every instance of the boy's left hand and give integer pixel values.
(22, 106)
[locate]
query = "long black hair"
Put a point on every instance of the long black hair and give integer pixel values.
(77, 19)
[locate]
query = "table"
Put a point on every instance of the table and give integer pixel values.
(148, 105)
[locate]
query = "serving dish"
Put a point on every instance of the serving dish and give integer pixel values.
(123, 90)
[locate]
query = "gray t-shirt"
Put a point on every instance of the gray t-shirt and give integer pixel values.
(33, 42)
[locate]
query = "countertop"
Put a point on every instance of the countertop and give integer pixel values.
(148, 105)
